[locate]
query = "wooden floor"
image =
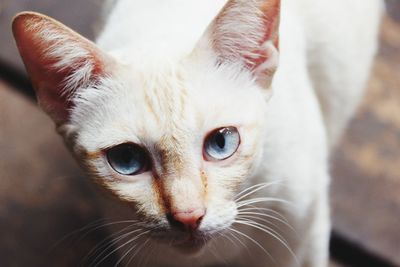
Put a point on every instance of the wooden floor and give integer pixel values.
(43, 195)
(366, 167)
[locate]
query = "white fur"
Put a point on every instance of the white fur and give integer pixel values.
(325, 55)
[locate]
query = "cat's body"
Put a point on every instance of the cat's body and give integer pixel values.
(166, 96)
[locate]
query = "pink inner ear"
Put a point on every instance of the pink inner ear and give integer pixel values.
(58, 106)
(254, 42)
(271, 11)
(58, 61)
(51, 92)
(271, 17)
(254, 62)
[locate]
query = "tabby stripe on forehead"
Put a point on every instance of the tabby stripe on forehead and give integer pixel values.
(170, 150)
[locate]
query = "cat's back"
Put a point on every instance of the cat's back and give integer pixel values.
(340, 19)
(157, 28)
(340, 43)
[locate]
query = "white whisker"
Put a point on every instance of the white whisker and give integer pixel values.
(142, 256)
(150, 254)
(119, 247)
(262, 199)
(253, 189)
(254, 215)
(261, 221)
(230, 240)
(105, 225)
(217, 256)
(266, 230)
(88, 226)
(113, 241)
(134, 254)
(124, 255)
(239, 240)
(108, 242)
(254, 242)
(255, 208)
(247, 189)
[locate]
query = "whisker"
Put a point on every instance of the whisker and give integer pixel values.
(141, 261)
(127, 253)
(217, 255)
(137, 251)
(88, 226)
(254, 215)
(107, 242)
(119, 247)
(110, 244)
(268, 230)
(250, 188)
(253, 208)
(265, 229)
(253, 189)
(262, 221)
(254, 242)
(263, 199)
(149, 254)
(228, 238)
(105, 225)
(239, 240)
(124, 255)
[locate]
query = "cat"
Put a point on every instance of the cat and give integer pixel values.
(209, 122)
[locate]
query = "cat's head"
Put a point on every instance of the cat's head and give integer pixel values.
(177, 139)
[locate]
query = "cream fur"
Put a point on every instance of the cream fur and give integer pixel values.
(168, 92)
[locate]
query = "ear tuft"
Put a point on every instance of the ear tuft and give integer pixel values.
(58, 60)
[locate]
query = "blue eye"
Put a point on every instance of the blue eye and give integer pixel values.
(128, 159)
(221, 143)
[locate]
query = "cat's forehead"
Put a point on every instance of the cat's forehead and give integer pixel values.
(175, 103)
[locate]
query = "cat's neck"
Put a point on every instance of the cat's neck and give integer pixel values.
(141, 30)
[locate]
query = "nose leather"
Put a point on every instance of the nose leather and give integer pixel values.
(191, 218)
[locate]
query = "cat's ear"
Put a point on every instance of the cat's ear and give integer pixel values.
(58, 60)
(246, 32)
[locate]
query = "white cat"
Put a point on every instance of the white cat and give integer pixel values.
(210, 128)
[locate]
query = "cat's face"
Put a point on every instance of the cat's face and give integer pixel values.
(179, 140)
(173, 141)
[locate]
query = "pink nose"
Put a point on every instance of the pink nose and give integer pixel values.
(190, 219)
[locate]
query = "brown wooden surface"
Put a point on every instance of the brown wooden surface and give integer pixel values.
(366, 167)
(43, 195)
(81, 15)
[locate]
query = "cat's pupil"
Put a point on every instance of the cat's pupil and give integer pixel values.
(128, 157)
(220, 140)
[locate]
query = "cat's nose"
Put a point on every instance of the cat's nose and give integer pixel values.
(187, 220)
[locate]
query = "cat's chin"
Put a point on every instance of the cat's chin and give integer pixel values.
(186, 243)
(191, 247)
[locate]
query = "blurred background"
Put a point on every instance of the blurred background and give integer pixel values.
(44, 196)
